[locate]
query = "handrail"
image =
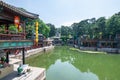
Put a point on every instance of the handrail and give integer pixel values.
(11, 36)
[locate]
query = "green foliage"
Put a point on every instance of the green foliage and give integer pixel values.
(2, 28)
(47, 30)
(85, 27)
(113, 25)
(43, 28)
(64, 39)
(13, 29)
(66, 31)
(98, 29)
(30, 30)
(52, 29)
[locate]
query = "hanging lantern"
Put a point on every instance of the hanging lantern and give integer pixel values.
(36, 33)
(16, 21)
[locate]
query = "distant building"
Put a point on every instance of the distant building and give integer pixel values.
(58, 34)
(109, 45)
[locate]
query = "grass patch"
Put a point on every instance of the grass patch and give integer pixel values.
(75, 49)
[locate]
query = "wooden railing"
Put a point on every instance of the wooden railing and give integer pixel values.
(11, 35)
(18, 36)
(14, 40)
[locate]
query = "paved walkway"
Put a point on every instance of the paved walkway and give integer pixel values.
(34, 74)
(15, 61)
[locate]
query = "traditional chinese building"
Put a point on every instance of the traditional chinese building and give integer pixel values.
(70, 42)
(13, 42)
(110, 46)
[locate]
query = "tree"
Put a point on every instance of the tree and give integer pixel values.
(43, 28)
(113, 25)
(101, 25)
(47, 30)
(52, 29)
(66, 31)
(84, 27)
(30, 30)
(75, 30)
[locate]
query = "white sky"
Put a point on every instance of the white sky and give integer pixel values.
(65, 12)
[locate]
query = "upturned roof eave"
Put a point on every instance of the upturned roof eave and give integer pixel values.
(18, 11)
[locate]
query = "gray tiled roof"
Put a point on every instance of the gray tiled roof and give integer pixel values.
(18, 10)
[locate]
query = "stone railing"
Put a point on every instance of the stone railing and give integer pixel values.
(111, 50)
(88, 48)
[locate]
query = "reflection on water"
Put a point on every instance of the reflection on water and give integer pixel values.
(66, 71)
(65, 64)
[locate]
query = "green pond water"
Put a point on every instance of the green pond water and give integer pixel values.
(66, 63)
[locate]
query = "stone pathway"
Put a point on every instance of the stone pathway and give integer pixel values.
(34, 74)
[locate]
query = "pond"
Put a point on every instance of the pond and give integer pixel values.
(66, 71)
(66, 63)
